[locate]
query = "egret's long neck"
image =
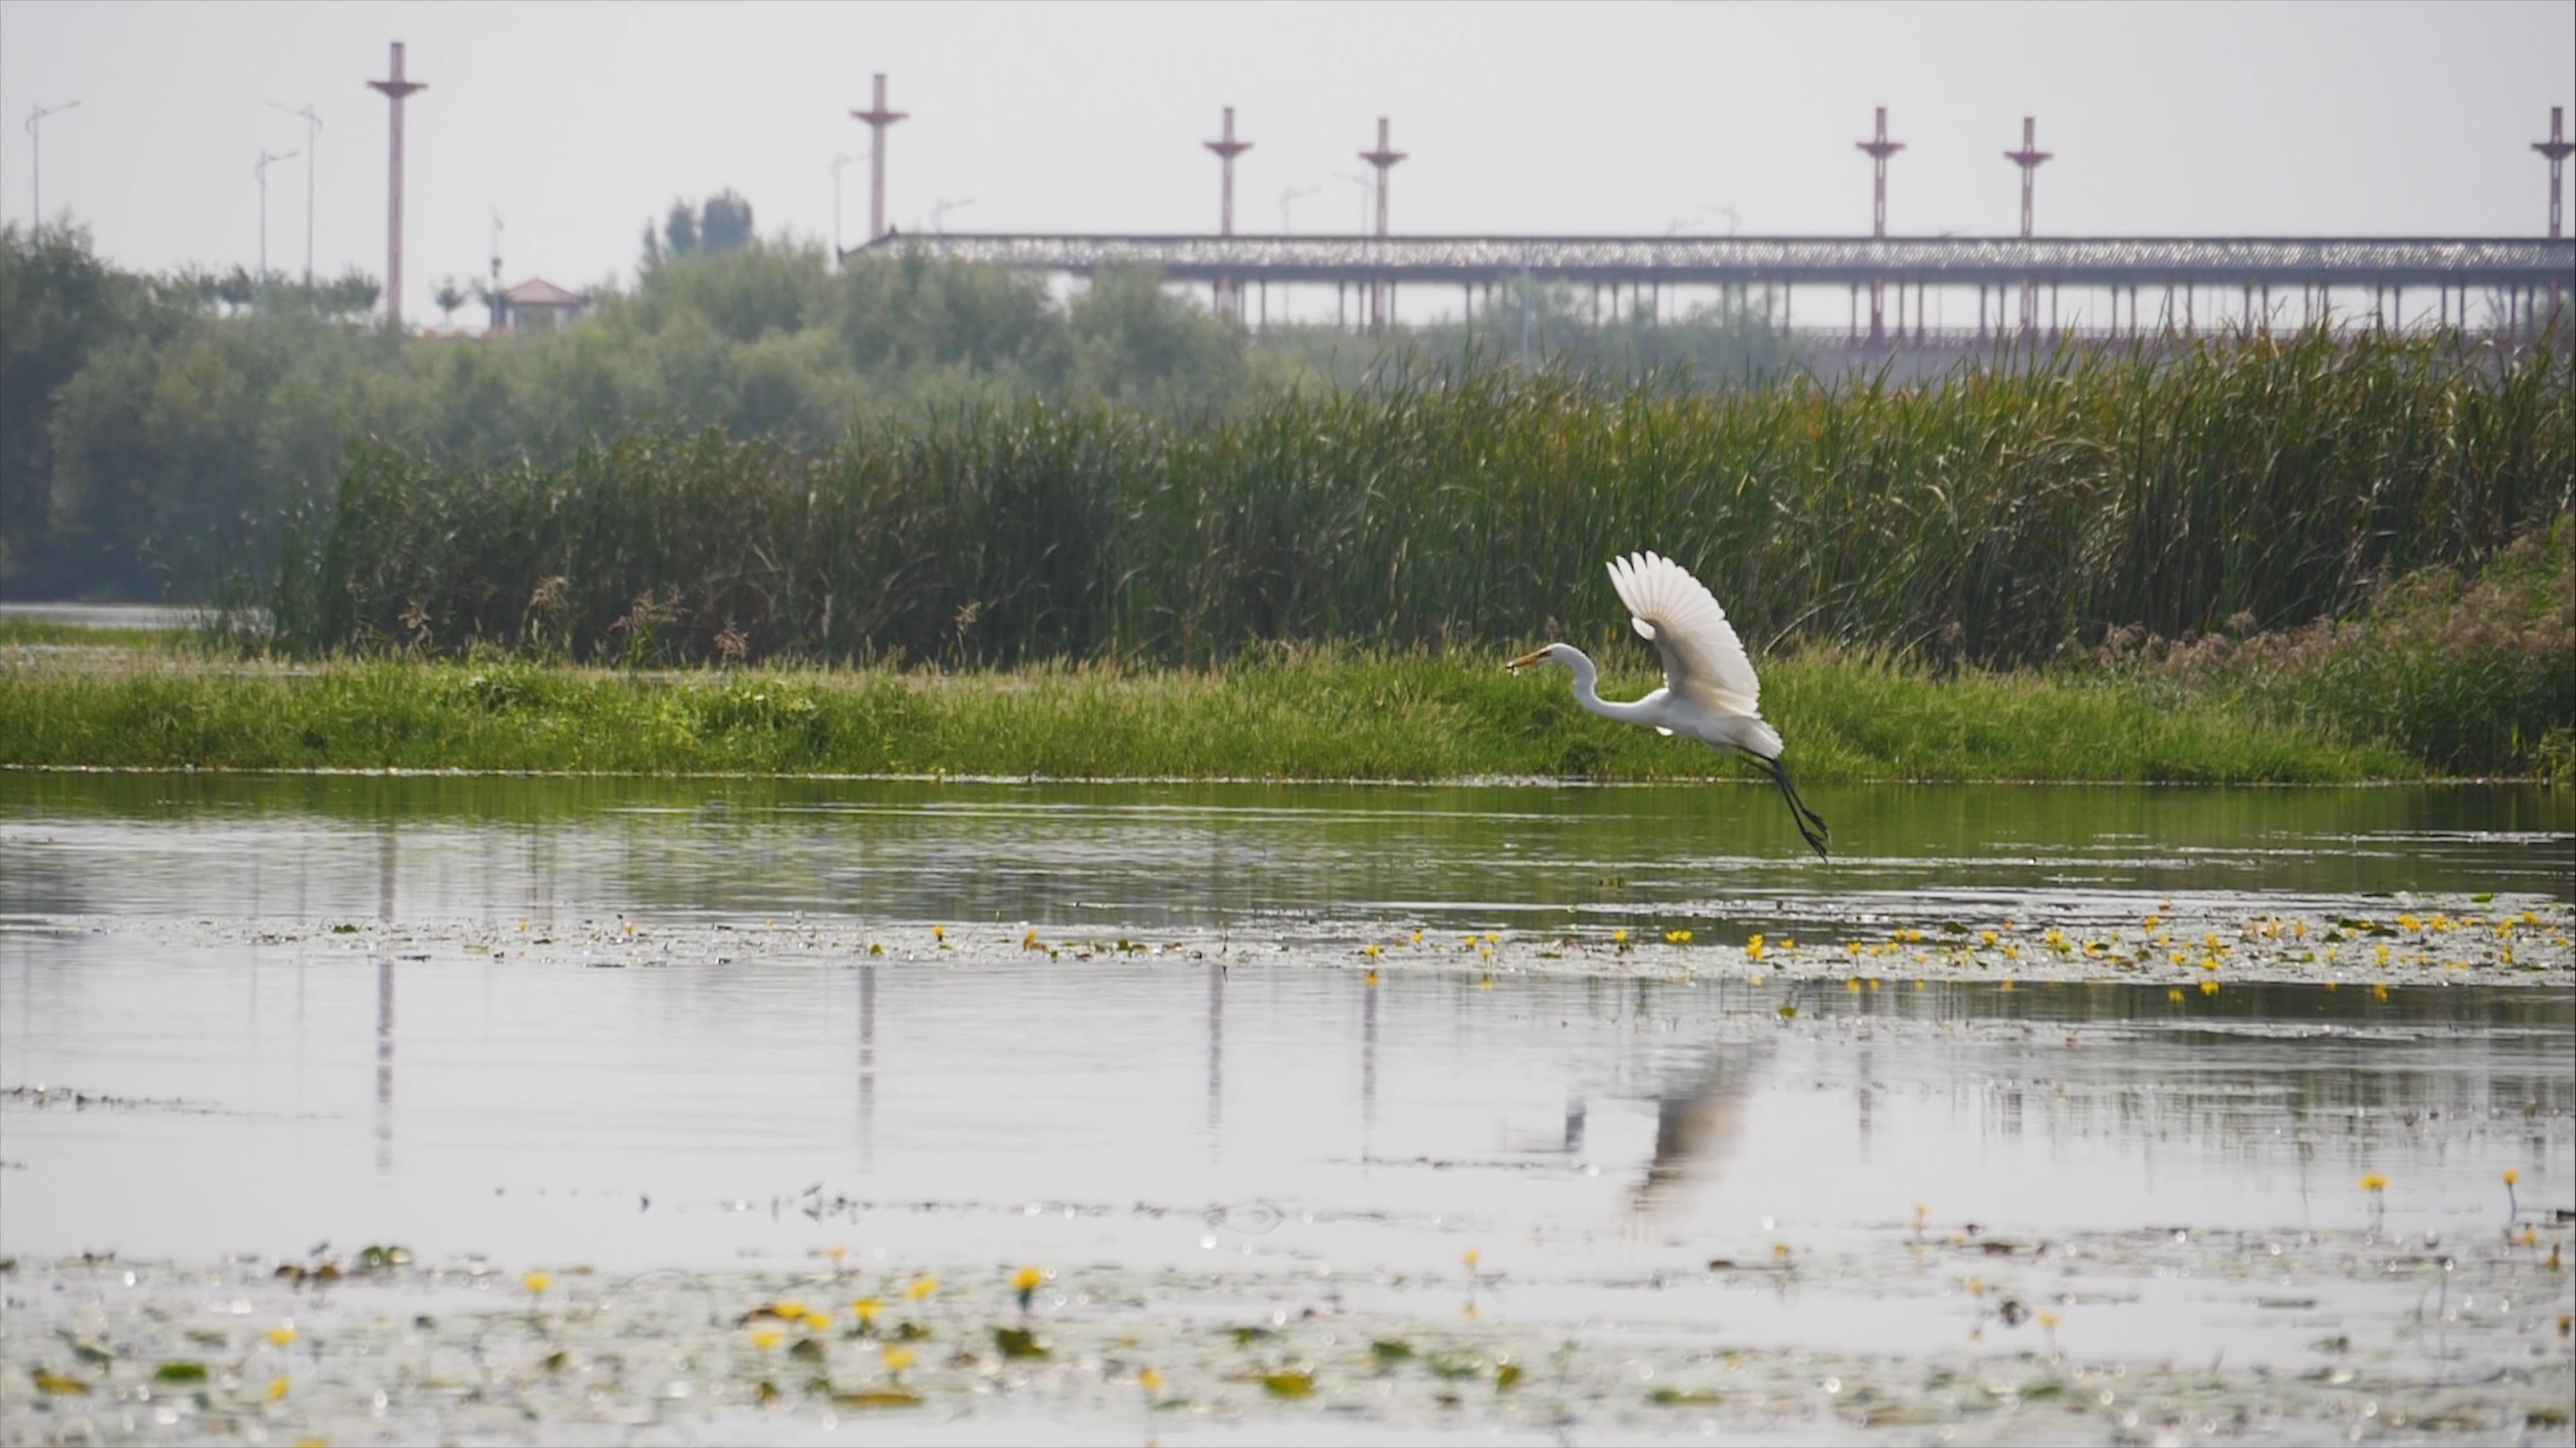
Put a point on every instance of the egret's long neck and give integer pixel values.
(1586, 676)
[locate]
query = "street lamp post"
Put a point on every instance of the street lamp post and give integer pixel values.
(838, 162)
(1287, 196)
(36, 160)
(260, 173)
(312, 163)
(942, 207)
(1364, 186)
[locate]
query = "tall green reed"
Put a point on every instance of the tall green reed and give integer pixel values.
(1997, 516)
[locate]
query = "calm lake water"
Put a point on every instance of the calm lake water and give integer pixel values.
(1181, 1109)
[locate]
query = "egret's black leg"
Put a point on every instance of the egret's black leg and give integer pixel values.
(1810, 824)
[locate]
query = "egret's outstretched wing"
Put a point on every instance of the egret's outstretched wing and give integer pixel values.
(1676, 613)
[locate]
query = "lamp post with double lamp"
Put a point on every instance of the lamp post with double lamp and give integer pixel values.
(260, 173)
(1286, 198)
(838, 162)
(312, 162)
(36, 160)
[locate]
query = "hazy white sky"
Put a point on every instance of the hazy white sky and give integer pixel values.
(578, 122)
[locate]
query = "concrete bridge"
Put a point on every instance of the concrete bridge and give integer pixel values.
(2085, 286)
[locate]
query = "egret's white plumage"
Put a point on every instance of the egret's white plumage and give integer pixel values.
(1710, 693)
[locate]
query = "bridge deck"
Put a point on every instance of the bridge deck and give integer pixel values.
(1801, 260)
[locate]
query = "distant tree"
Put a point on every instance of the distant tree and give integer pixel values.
(721, 225)
(724, 223)
(354, 293)
(449, 297)
(680, 231)
(59, 306)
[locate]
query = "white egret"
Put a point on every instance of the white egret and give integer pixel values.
(1709, 693)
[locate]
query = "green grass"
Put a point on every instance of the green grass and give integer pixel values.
(1314, 714)
(2466, 671)
(1997, 517)
(46, 633)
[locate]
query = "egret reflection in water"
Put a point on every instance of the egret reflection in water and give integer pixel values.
(1698, 1123)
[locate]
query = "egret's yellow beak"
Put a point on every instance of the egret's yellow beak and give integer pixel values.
(1525, 660)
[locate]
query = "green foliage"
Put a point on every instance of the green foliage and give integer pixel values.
(1996, 518)
(2469, 671)
(58, 305)
(196, 409)
(1304, 714)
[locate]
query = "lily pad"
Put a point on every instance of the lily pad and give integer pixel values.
(878, 1398)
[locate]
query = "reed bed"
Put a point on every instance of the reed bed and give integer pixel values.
(2000, 517)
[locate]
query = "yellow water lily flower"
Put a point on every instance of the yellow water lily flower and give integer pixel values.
(1026, 1279)
(1150, 1380)
(276, 1388)
(2373, 1182)
(921, 1287)
(538, 1282)
(2209, 987)
(897, 1358)
(765, 1338)
(282, 1334)
(867, 1308)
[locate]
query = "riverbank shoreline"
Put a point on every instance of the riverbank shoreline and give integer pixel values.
(1306, 716)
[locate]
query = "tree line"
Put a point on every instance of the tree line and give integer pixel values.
(154, 428)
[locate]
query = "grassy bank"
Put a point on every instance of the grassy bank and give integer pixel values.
(1304, 715)
(1999, 517)
(46, 633)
